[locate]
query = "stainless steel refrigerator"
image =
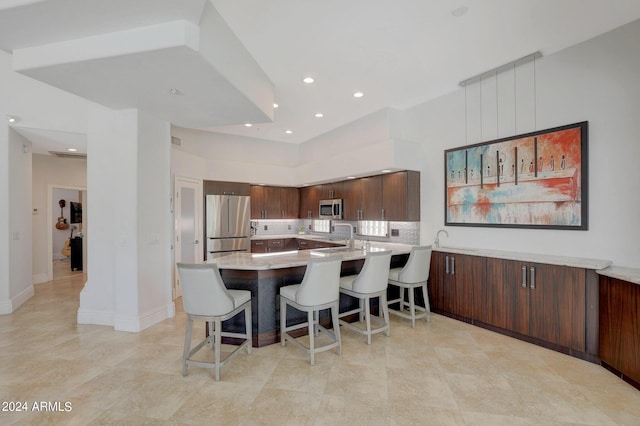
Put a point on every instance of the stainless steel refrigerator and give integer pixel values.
(227, 224)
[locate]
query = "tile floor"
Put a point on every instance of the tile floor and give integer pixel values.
(443, 372)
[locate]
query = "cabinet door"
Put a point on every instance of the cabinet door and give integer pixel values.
(619, 344)
(557, 304)
(332, 191)
(457, 286)
(257, 202)
(352, 199)
(371, 200)
(271, 202)
(436, 277)
(290, 202)
(468, 275)
(507, 297)
(401, 196)
(309, 202)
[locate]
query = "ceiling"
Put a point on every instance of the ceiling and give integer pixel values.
(398, 53)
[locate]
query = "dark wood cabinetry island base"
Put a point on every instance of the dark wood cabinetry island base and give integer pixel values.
(264, 281)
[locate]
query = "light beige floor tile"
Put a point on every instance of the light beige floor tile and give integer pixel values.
(442, 372)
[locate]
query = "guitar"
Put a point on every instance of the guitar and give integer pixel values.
(66, 249)
(62, 222)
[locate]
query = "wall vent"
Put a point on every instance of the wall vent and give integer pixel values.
(62, 154)
(176, 141)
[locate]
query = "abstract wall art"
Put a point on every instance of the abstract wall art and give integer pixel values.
(533, 180)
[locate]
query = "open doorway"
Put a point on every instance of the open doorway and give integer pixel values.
(66, 213)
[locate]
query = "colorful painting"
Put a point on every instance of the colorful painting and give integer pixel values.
(535, 180)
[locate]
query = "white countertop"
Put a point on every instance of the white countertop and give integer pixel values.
(302, 236)
(290, 259)
(578, 262)
(626, 274)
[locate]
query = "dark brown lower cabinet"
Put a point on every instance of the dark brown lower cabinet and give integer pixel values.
(456, 285)
(549, 305)
(619, 347)
(545, 302)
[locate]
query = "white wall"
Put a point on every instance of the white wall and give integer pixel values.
(596, 81)
(20, 287)
(57, 172)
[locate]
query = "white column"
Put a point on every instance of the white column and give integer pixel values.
(5, 302)
(129, 234)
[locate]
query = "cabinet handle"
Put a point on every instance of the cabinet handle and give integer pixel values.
(532, 284)
(259, 243)
(446, 264)
(524, 276)
(453, 265)
(282, 212)
(382, 214)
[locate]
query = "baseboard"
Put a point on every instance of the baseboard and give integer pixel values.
(5, 307)
(40, 278)
(137, 323)
(95, 317)
(10, 306)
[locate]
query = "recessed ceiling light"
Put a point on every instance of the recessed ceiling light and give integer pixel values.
(308, 80)
(319, 115)
(248, 124)
(351, 177)
(386, 171)
(275, 105)
(11, 119)
(72, 150)
(460, 11)
(358, 94)
(288, 132)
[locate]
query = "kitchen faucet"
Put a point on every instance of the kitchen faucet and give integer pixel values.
(437, 242)
(351, 241)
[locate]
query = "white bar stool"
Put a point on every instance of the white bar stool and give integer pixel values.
(206, 298)
(318, 290)
(414, 274)
(370, 283)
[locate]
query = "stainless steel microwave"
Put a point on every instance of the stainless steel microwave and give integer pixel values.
(331, 209)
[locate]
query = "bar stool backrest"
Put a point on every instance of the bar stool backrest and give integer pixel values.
(417, 267)
(374, 275)
(321, 281)
(203, 291)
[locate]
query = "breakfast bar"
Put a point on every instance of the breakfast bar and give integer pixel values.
(264, 274)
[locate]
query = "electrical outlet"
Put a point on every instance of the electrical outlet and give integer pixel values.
(395, 232)
(265, 227)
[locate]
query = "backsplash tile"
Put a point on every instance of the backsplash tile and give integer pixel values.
(408, 232)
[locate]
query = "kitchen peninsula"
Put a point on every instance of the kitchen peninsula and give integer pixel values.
(264, 274)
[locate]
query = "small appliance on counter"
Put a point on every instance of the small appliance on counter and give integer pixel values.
(227, 224)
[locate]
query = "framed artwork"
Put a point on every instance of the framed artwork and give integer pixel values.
(534, 180)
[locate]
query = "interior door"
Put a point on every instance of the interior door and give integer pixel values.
(188, 225)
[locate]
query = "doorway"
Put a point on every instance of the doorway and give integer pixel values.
(66, 219)
(188, 225)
